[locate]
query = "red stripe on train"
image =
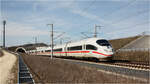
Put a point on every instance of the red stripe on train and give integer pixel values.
(81, 52)
(74, 52)
(101, 53)
(84, 52)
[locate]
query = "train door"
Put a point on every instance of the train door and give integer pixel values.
(65, 50)
(85, 54)
(83, 49)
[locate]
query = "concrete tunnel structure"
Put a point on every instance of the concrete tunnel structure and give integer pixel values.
(20, 49)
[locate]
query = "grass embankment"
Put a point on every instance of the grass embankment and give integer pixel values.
(133, 56)
(45, 70)
(119, 43)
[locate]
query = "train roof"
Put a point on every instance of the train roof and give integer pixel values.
(81, 42)
(84, 41)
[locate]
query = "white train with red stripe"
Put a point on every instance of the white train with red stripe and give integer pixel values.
(90, 48)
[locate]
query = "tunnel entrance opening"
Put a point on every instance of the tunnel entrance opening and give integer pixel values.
(20, 50)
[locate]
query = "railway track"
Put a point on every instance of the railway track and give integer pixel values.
(24, 76)
(119, 63)
(132, 65)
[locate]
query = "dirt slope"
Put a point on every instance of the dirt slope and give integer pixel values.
(143, 42)
(119, 43)
(6, 64)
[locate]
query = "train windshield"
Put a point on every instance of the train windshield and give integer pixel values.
(103, 42)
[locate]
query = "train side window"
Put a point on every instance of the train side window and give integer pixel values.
(91, 47)
(47, 50)
(60, 49)
(103, 42)
(75, 48)
(68, 48)
(84, 47)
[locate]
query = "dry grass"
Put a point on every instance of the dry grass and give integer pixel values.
(1, 53)
(13, 79)
(119, 43)
(46, 70)
(13, 48)
(133, 56)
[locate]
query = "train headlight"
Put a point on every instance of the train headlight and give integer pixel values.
(105, 50)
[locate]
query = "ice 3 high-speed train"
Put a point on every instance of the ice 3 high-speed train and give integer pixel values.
(89, 48)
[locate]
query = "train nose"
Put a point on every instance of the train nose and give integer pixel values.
(108, 49)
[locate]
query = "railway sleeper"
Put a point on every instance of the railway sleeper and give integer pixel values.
(26, 80)
(23, 68)
(25, 71)
(24, 74)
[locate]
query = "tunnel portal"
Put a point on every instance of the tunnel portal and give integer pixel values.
(21, 50)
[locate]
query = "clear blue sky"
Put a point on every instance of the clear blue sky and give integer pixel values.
(27, 19)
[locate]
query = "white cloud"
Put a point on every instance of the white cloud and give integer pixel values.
(43, 20)
(129, 30)
(57, 4)
(85, 14)
(19, 30)
(90, 16)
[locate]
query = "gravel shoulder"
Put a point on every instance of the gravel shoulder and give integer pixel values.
(45, 70)
(7, 61)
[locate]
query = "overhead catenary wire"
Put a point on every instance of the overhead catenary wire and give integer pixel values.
(72, 3)
(85, 9)
(90, 5)
(120, 8)
(131, 27)
(134, 26)
(131, 16)
(3, 6)
(139, 24)
(85, 35)
(60, 35)
(125, 31)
